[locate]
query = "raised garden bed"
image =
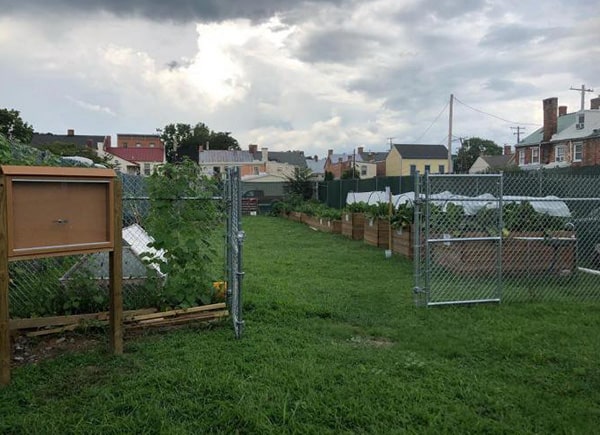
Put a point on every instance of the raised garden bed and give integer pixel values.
(402, 241)
(353, 225)
(377, 232)
(529, 253)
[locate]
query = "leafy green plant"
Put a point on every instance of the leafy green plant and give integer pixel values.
(378, 211)
(357, 207)
(185, 223)
(403, 216)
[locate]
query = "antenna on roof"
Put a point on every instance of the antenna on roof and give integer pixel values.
(390, 141)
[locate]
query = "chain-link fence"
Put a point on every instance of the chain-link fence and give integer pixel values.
(176, 252)
(511, 237)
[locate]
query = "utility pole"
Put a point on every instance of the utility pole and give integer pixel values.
(583, 90)
(450, 135)
(518, 132)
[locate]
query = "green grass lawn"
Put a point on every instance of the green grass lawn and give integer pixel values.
(333, 344)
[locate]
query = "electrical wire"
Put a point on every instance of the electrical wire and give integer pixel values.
(432, 123)
(493, 116)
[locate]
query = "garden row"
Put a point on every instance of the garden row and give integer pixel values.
(532, 242)
(376, 225)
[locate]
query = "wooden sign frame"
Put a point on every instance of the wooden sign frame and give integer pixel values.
(55, 211)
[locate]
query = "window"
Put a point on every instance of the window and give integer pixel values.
(535, 155)
(138, 145)
(427, 168)
(441, 169)
(124, 144)
(577, 151)
(560, 153)
(521, 157)
(151, 144)
(363, 170)
(147, 168)
(255, 170)
(413, 169)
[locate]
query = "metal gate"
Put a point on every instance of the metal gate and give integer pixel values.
(523, 236)
(458, 233)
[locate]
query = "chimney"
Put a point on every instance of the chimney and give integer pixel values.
(70, 132)
(562, 110)
(550, 106)
(507, 150)
(253, 148)
(265, 154)
(595, 103)
(329, 153)
(360, 150)
(316, 158)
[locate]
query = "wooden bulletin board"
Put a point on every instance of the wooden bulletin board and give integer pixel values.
(52, 211)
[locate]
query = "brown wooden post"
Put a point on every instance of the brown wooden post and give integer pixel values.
(5, 350)
(116, 275)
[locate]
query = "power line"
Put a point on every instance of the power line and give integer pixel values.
(493, 116)
(432, 123)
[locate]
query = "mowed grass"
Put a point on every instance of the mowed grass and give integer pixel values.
(333, 344)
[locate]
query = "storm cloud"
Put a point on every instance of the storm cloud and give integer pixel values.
(287, 74)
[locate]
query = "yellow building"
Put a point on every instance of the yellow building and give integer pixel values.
(405, 159)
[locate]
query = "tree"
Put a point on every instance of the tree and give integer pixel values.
(471, 149)
(350, 174)
(223, 141)
(13, 127)
(300, 184)
(182, 140)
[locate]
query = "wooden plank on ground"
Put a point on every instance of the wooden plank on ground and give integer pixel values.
(171, 313)
(52, 331)
(44, 322)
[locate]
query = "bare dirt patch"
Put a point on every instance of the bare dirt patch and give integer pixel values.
(31, 350)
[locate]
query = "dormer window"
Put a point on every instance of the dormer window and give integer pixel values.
(580, 121)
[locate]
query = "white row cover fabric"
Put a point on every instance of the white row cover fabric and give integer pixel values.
(549, 205)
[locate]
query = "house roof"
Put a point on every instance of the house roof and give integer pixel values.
(497, 161)
(138, 154)
(140, 135)
(567, 128)
(369, 156)
(264, 178)
(39, 139)
(295, 158)
(418, 151)
(316, 167)
(591, 126)
(225, 156)
(335, 158)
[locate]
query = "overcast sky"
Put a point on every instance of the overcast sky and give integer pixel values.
(294, 75)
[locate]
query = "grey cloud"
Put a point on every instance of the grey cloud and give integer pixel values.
(514, 35)
(159, 10)
(337, 46)
(416, 14)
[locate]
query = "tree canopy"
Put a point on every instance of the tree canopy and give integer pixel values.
(471, 149)
(13, 127)
(182, 140)
(300, 183)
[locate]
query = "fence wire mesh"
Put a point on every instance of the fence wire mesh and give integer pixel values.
(175, 252)
(509, 237)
